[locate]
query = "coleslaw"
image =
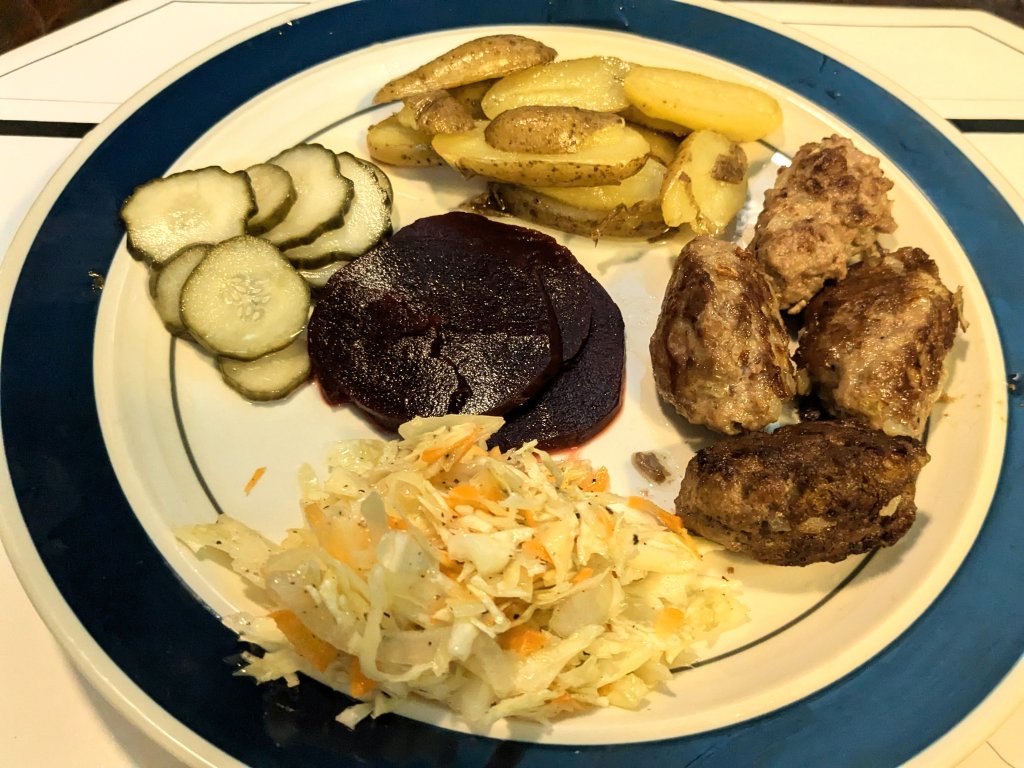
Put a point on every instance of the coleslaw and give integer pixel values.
(500, 584)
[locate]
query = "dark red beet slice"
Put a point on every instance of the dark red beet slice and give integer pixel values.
(564, 279)
(586, 393)
(452, 315)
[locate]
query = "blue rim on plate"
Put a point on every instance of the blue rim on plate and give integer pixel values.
(152, 627)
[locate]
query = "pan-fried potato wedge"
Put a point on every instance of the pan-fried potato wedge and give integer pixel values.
(706, 184)
(482, 59)
(559, 130)
(406, 117)
(593, 83)
(663, 145)
(606, 157)
(439, 112)
(642, 220)
(471, 94)
(677, 204)
(630, 209)
(392, 143)
(737, 111)
(642, 186)
(637, 117)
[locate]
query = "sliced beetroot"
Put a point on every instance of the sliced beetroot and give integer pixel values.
(564, 279)
(454, 314)
(584, 396)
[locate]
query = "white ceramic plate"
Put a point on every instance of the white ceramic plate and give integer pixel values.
(134, 433)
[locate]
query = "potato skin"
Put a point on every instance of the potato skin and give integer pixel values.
(481, 59)
(639, 220)
(591, 83)
(546, 130)
(636, 116)
(663, 145)
(392, 143)
(620, 153)
(705, 184)
(471, 94)
(440, 112)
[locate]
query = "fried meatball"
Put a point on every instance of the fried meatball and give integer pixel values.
(806, 493)
(825, 210)
(720, 351)
(874, 345)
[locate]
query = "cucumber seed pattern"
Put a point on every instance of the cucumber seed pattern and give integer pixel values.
(250, 293)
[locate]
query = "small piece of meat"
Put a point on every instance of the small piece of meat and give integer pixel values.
(806, 493)
(825, 211)
(874, 345)
(583, 396)
(454, 314)
(649, 465)
(720, 351)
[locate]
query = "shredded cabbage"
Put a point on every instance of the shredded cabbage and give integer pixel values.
(499, 584)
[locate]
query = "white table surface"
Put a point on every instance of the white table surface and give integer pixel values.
(965, 65)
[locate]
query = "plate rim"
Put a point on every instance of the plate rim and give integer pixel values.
(58, 614)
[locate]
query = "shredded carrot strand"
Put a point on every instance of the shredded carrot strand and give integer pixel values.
(523, 640)
(538, 550)
(598, 482)
(670, 521)
(583, 574)
(314, 515)
(566, 703)
(359, 684)
(454, 451)
(449, 566)
(466, 491)
(332, 537)
(668, 621)
(433, 454)
(260, 471)
(467, 495)
(673, 522)
(489, 487)
(310, 647)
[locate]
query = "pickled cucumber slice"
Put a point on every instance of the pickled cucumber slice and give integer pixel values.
(322, 195)
(167, 280)
(368, 220)
(167, 214)
(317, 278)
(384, 180)
(244, 300)
(270, 377)
(274, 193)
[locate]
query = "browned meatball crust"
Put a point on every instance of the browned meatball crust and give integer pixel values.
(874, 345)
(825, 210)
(720, 351)
(806, 493)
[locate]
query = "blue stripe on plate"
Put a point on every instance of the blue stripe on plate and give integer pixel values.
(151, 626)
